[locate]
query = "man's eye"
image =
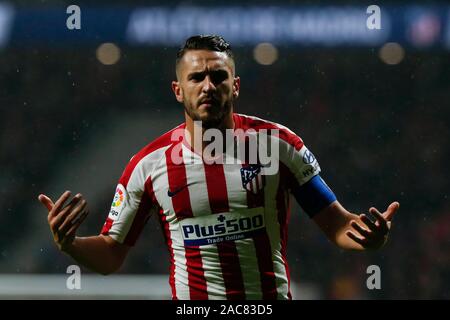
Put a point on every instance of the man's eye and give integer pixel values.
(219, 77)
(197, 77)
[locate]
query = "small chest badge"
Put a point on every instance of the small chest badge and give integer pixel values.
(252, 179)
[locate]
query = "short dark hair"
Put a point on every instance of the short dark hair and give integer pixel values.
(205, 42)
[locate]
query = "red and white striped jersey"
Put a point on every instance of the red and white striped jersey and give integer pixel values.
(225, 225)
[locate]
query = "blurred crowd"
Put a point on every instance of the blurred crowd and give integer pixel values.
(380, 133)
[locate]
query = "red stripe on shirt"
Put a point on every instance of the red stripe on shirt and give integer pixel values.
(265, 266)
(142, 214)
(178, 187)
(140, 219)
(228, 255)
(107, 226)
(231, 270)
(284, 212)
(167, 236)
(181, 203)
(217, 188)
(196, 274)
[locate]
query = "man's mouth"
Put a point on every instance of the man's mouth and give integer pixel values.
(208, 102)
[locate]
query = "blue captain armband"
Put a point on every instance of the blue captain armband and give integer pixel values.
(314, 195)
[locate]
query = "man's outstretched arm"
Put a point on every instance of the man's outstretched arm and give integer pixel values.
(100, 253)
(355, 232)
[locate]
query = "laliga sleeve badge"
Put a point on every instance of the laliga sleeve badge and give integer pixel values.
(118, 202)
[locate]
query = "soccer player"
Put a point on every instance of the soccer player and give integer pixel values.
(225, 223)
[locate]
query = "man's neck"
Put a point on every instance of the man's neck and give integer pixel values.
(194, 131)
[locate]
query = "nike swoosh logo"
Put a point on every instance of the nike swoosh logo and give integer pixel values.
(173, 193)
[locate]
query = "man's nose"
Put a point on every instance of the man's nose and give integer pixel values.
(208, 85)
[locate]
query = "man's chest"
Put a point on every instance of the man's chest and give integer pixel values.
(197, 189)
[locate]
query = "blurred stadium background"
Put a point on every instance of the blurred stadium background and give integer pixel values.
(373, 105)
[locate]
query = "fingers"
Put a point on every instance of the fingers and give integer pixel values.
(61, 216)
(68, 237)
(368, 223)
(76, 223)
(367, 233)
(362, 231)
(372, 234)
(65, 220)
(46, 201)
(354, 237)
(391, 210)
(73, 217)
(59, 203)
(380, 218)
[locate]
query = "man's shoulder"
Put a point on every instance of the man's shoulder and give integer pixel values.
(247, 122)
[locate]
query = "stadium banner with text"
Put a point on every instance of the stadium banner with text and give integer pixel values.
(417, 26)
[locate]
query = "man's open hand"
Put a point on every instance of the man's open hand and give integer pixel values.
(373, 235)
(64, 220)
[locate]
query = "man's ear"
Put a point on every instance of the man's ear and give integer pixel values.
(177, 91)
(236, 87)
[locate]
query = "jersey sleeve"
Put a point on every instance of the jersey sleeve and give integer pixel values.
(131, 206)
(303, 169)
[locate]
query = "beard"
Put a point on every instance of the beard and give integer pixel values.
(213, 117)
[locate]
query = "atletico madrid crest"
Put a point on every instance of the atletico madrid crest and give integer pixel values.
(252, 179)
